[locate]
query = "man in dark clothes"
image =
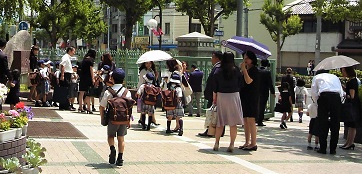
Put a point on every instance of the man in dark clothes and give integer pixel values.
(266, 84)
(208, 92)
(4, 68)
(290, 79)
(195, 80)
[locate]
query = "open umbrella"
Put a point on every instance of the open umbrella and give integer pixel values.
(335, 62)
(242, 44)
(154, 55)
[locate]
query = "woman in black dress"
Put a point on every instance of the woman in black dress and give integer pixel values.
(86, 80)
(250, 99)
(14, 94)
(33, 65)
(352, 97)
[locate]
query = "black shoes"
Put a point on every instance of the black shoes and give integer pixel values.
(181, 132)
(321, 151)
(37, 104)
(260, 124)
(168, 131)
(348, 147)
(309, 148)
(300, 120)
(197, 115)
(112, 155)
(119, 161)
(251, 148)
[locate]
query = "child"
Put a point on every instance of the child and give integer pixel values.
(146, 108)
(286, 104)
(300, 97)
(14, 94)
(312, 112)
(44, 85)
(174, 84)
(73, 86)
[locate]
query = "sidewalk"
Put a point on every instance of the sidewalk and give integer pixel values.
(279, 151)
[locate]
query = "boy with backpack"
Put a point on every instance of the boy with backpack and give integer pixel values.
(116, 127)
(148, 93)
(43, 86)
(172, 102)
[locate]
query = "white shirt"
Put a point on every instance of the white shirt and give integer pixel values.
(325, 82)
(141, 80)
(141, 88)
(107, 95)
(67, 63)
(301, 90)
(44, 73)
(57, 73)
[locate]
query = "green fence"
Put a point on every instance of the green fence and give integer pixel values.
(126, 59)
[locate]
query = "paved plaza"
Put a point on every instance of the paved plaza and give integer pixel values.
(279, 151)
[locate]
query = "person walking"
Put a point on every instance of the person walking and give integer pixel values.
(86, 81)
(215, 60)
(290, 79)
(66, 71)
(352, 96)
(327, 90)
(120, 131)
(226, 86)
(266, 85)
(249, 93)
(14, 93)
(4, 68)
(195, 81)
(286, 104)
(301, 94)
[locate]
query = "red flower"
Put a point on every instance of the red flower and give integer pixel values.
(20, 105)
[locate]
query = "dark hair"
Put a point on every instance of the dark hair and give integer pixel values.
(321, 71)
(15, 74)
(285, 85)
(2, 43)
(193, 66)
(300, 82)
(33, 48)
(118, 81)
(172, 65)
(288, 70)
(91, 53)
(107, 60)
(228, 65)
(143, 66)
(251, 55)
(218, 54)
(70, 49)
(350, 71)
(265, 63)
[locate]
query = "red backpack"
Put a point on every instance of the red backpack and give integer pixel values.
(150, 93)
(119, 109)
(169, 99)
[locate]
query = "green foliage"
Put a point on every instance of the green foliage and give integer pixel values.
(11, 9)
(11, 164)
(4, 124)
(19, 122)
(340, 10)
(35, 155)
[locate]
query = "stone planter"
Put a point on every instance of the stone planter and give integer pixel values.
(7, 135)
(24, 130)
(18, 132)
(27, 170)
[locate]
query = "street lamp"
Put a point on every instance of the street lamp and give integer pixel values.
(152, 24)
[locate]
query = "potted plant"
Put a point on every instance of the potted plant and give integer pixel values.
(16, 123)
(34, 157)
(5, 132)
(11, 165)
(25, 113)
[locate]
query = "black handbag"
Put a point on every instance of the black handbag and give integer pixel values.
(348, 113)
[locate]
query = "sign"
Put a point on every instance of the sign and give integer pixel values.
(219, 33)
(141, 27)
(23, 25)
(142, 40)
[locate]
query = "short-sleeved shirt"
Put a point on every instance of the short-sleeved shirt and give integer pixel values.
(107, 95)
(250, 92)
(44, 72)
(300, 90)
(67, 63)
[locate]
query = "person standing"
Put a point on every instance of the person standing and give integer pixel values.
(33, 66)
(290, 79)
(249, 93)
(266, 85)
(327, 90)
(113, 130)
(215, 60)
(86, 81)
(301, 94)
(195, 80)
(14, 93)
(66, 71)
(4, 68)
(226, 86)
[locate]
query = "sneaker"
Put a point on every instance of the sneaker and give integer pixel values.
(55, 104)
(94, 109)
(300, 120)
(180, 133)
(119, 162)
(197, 115)
(285, 125)
(282, 126)
(316, 148)
(309, 148)
(46, 104)
(37, 104)
(112, 156)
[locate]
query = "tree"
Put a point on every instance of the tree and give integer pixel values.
(10, 10)
(279, 23)
(204, 11)
(134, 10)
(60, 18)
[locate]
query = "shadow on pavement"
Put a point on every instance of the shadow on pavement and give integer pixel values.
(100, 165)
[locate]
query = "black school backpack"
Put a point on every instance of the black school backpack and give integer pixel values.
(119, 109)
(150, 93)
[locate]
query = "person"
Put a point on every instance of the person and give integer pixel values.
(4, 68)
(178, 112)
(312, 113)
(266, 85)
(301, 94)
(185, 73)
(66, 71)
(327, 90)
(249, 93)
(352, 96)
(208, 92)
(106, 61)
(120, 131)
(86, 81)
(56, 82)
(309, 68)
(43, 86)
(290, 79)
(195, 81)
(74, 86)
(146, 109)
(286, 104)
(14, 93)
(33, 65)
(312, 68)
(226, 86)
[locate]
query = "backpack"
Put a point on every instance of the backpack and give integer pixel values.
(150, 93)
(169, 99)
(53, 80)
(119, 109)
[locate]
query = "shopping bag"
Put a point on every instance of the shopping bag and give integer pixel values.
(213, 121)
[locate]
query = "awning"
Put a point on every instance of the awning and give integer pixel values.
(163, 47)
(349, 46)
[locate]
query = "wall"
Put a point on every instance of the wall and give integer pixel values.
(305, 42)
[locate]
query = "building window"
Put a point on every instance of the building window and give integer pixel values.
(114, 28)
(146, 31)
(195, 27)
(167, 28)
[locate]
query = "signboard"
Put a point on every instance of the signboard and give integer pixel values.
(219, 33)
(23, 25)
(141, 27)
(142, 40)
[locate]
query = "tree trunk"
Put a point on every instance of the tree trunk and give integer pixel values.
(279, 52)
(129, 30)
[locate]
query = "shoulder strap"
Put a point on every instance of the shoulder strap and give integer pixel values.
(125, 92)
(114, 93)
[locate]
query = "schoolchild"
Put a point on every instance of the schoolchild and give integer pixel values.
(286, 104)
(14, 94)
(175, 84)
(301, 94)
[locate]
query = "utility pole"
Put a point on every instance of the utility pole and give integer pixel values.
(246, 23)
(239, 20)
(317, 57)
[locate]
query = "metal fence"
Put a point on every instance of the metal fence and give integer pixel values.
(126, 59)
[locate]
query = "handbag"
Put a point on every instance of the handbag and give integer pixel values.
(139, 105)
(185, 86)
(213, 121)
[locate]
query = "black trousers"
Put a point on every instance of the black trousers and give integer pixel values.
(329, 109)
(65, 83)
(262, 104)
